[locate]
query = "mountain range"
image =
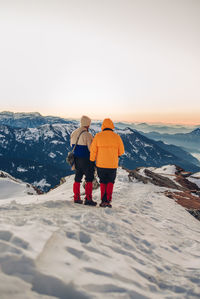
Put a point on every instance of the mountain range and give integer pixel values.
(30, 120)
(35, 119)
(189, 141)
(36, 153)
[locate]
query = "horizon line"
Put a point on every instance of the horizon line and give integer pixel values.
(114, 119)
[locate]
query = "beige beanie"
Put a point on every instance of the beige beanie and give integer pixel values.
(85, 121)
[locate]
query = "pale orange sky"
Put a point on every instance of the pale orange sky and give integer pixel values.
(171, 118)
(133, 60)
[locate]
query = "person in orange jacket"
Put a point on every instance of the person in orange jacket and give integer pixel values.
(106, 148)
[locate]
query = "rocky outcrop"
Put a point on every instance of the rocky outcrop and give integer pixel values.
(161, 180)
(153, 178)
(177, 186)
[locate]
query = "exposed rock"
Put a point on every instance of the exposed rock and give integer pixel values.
(186, 183)
(133, 174)
(161, 180)
(195, 213)
(185, 193)
(62, 180)
(186, 199)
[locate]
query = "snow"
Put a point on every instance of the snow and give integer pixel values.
(62, 128)
(146, 246)
(41, 184)
(168, 169)
(60, 153)
(124, 131)
(52, 155)
(196, 155)
(194, 180)
(32, 133)
(21, 169)
(196, 175)
(57, 142)
(9, 188)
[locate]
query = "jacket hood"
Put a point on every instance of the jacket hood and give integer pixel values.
(85, 121)
(107, 124)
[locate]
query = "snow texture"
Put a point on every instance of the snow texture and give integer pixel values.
(146, 246)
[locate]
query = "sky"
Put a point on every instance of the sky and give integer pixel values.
(131, 60)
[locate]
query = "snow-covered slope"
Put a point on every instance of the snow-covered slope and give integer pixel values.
(195, 178)
(146, 246)
(10, 187)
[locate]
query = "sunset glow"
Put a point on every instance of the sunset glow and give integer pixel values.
(131, 60)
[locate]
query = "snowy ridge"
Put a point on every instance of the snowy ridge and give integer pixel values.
(30, 120)
(10, 187)
(146, 246)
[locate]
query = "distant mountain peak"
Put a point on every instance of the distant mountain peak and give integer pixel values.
(196, 132)
(22, 114)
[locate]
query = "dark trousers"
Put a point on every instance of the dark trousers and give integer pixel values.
(107, 175)
(83, 166)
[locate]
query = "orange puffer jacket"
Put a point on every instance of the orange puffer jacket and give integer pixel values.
(106, 146)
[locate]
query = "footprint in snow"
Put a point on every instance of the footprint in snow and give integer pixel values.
(5, 235)
(80, 254)
(84, 238)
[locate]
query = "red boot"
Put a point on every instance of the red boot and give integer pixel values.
(88, 195)
(76, 189)
(104, 202)
(109, 191)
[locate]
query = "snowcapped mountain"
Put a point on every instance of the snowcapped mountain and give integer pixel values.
(37, 155)
(146, 246)
(196, 132)
(30, 120)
